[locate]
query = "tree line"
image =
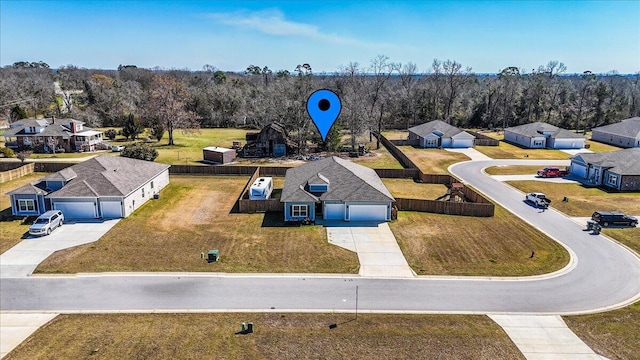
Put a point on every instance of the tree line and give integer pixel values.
(374, 96)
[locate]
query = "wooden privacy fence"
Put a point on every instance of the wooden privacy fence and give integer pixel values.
(399, 155)
(253, 206)
(16, 173)
(406, 142)
(445, 207)
(483, 140)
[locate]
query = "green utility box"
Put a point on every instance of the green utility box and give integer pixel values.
(213, 255)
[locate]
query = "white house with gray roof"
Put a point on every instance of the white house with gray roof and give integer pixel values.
(625, 134)
(47, 135)
(619, 170)
(335, 189)
(437, 133)
(103, 187)
(540, 135)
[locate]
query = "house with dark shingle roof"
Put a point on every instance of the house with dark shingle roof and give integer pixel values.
(625, 134)
(437, 133)
(47, 135)
(335, 189)
(103, 187)
(540, 135)
(619, 170)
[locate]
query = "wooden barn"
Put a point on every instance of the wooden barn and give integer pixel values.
(271, 141)
(220, 155)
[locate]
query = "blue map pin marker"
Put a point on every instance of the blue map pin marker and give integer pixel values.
(324, 108)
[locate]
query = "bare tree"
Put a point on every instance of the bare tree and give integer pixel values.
(167, 104)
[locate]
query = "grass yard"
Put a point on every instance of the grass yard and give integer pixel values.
(435, 244)
(276, 336)
(407, 188)
(188, 146)
(11, 232)
(432, 161)
(193, 216)
(613, 334)
(601, 147)
(510, 151)
(514, 170)
(396, 134)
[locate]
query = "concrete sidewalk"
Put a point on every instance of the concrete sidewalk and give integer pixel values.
(541, 337)
(377, 248)
(22, 259)
(16, 328)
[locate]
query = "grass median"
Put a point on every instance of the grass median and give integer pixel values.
(276, 336)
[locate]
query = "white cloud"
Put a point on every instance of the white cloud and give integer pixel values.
(273, 22)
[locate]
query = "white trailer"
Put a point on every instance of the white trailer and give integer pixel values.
(261, 188)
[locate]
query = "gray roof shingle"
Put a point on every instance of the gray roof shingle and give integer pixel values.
(537, 128)
(107, 175)
(623, 162)
(347, 182)
(29, 189)
(425, 129)
(627, 127)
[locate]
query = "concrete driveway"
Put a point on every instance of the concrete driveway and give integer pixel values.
(22, 259)
(377, 248)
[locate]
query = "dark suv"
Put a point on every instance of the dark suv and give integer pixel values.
(606, 218)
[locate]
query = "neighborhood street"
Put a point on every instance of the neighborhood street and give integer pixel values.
(601, 275)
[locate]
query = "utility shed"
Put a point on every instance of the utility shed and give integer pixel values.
(216, 154)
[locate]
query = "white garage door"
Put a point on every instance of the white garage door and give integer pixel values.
(579, 170)
(334, 211)
(462, 143)
(76, 210)
(367, 212)
(111, 209)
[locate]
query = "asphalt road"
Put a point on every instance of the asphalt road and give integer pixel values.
(603, 275)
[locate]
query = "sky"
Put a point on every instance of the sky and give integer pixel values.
(488, 36)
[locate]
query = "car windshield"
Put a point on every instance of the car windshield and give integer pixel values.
(41, 221)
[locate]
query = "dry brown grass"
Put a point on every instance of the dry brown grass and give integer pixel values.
(513, 170)
(613, 334)
(432, 161)
(510, 151)
(193, 216)
(396, 134)
(276, 336)
(11, 232)
(407, 188)
(435, 244)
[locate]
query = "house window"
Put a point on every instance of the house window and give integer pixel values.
(142, 192)
(612, 179)
(32, 130)
(26, 205)
(537, 142)
(152, 184)
(299, 210)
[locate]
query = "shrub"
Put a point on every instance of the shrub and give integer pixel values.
(140, 151)
(111, 134)
(6, 152)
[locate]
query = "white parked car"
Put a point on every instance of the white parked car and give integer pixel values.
(538, 199)
(47, 222)
(117, 148)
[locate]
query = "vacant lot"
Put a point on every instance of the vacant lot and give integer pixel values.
(613, 334)
(462, 245)
(432, 161)
(407, 188)
(276, 336)
(12, 231)
(193, 216)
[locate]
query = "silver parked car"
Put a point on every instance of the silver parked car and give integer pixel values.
(47, 222)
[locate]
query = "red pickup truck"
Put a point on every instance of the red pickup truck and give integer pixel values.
(552, 172)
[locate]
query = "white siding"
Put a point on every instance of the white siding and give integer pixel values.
(135, 199)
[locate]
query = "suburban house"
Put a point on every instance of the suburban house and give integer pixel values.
(103, 187)
(335, 189)
(540, 135)
(272, 140)
(625, 134)
(52, 134)
(619, 170)
(438, 133)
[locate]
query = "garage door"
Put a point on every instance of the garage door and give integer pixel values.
(111, 209)
(76, 210)
(334, 211)
(462, 143)
(367, 212)
(579, 170)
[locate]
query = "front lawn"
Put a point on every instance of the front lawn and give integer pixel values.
(193, 216)
(436, 244)
(276, 336)
(509, 151)
(407, 188)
